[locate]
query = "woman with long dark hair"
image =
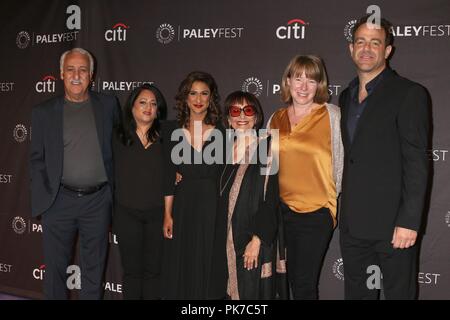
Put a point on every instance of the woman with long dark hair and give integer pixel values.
(143, 192)
(189, 230)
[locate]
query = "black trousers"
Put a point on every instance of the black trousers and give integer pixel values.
(90, 217)
(307, 238)
(140, 242)
(363, 258)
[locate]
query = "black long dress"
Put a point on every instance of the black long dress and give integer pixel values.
(188, 256)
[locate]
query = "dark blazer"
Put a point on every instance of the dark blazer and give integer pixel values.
(47, 150)
(386, 168)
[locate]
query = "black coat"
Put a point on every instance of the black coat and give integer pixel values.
(255, 213)
(386, 168)
(47, 149)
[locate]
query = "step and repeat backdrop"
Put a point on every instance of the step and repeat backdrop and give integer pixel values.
(244, 45)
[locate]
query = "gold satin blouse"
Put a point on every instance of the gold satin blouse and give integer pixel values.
(306, 171)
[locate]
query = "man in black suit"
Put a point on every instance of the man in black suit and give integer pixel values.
(385, 131)
(71, 176)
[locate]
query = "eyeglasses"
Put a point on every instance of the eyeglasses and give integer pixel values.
(236, 111)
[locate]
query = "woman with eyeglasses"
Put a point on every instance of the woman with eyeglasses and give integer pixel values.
(310, 172)
(143, 191)
(247, 210)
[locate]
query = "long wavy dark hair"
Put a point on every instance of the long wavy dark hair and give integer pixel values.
(128, 127)
(213, 114)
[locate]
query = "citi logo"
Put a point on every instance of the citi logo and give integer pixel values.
(73, 279)
(117, 33)
(38, 273)
(47, 84)
(295, 29)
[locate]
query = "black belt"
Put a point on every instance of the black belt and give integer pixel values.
(84, 191)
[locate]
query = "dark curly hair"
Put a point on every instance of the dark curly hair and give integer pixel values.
(128, 127)
(213, 114)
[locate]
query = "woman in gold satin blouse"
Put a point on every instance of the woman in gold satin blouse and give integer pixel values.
(310, 172)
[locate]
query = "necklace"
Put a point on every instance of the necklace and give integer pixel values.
(222, 189)
(143, 138)
(296, 118)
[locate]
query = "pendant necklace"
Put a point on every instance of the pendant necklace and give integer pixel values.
(222, 189)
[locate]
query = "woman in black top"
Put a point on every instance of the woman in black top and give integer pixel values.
(189, 230)
(143, 191)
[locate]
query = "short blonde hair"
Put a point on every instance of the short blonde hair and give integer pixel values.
(314, 69)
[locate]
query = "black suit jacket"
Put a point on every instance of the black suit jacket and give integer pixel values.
(386, 168)
(47, 149)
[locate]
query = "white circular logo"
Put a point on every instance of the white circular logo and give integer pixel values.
(22, 39)
(20, 133)
(338, 269)
(253, 85)
(18, 224)
(348, 30)
(447, 218)
(165, 33)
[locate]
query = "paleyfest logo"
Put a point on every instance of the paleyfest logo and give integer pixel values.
(19, 225)
(23, 39)
(20, 133)
(106, 85)
(165, 33)
(73, 22)
(338, 269)
(348, 30)
(253, 85)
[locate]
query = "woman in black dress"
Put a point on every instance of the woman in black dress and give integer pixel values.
(245, 254)
(189, 230)
(143, 191)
